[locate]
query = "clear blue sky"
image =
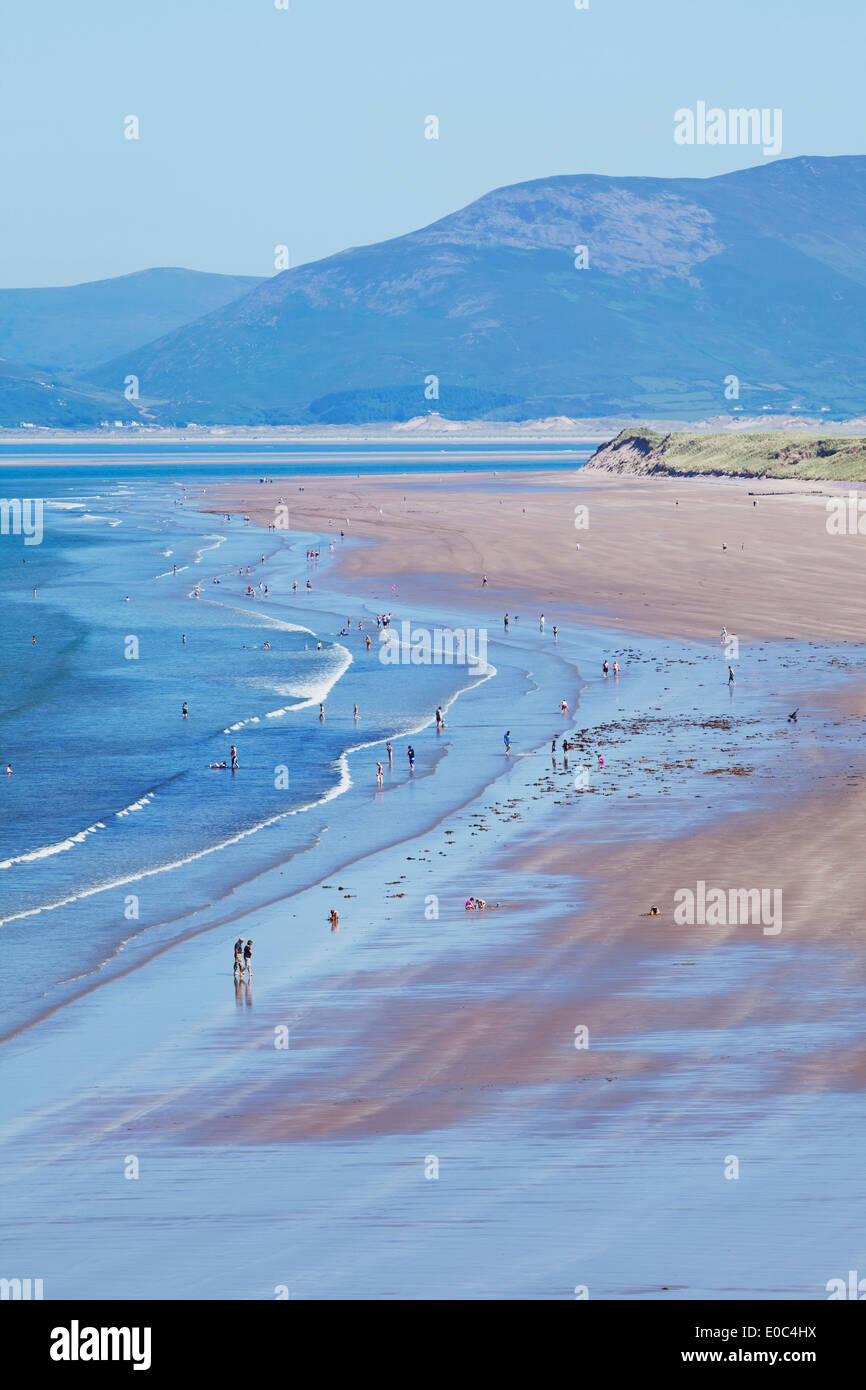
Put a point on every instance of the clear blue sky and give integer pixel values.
(306, 126)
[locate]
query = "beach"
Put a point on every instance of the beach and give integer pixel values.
(559, 1093)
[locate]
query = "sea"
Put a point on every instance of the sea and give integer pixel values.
(115, 830)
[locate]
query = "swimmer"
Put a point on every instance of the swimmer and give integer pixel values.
(222, 764)
(8, 769)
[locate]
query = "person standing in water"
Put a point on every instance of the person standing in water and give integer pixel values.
(185, 710)
(322, 713)
(505, 620)
(390, 752)
(379, 774)
(506, 739)
(410, 753)
(731, 680)
(234, 758)
(248, 958)
(439, 720)
(239, 953)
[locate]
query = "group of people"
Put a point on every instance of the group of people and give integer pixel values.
(243, 956)
(234, 760)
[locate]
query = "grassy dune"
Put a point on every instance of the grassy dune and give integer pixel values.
(775, 454)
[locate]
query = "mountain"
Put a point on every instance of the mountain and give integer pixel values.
(759, 275)
(71, 328)
(744, 292)
(31, 395)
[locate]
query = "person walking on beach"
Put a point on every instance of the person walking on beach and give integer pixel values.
(439, 720)
(731, 680)
(506, 622)
(605, 668)
(506, 739)
(234, 758)
(563, 707)
(239, 954)
(616, 668)
(555, 630)
(248, 958)
(410, 754)
(379, 774)
(484, 581)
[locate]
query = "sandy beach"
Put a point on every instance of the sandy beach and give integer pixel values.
(650, 556)
(577, 1072)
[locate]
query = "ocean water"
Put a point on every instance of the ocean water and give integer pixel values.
(113, 826)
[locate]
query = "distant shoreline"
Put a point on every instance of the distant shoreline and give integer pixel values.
(434, 429)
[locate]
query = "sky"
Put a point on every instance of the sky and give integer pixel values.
(304, 126)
